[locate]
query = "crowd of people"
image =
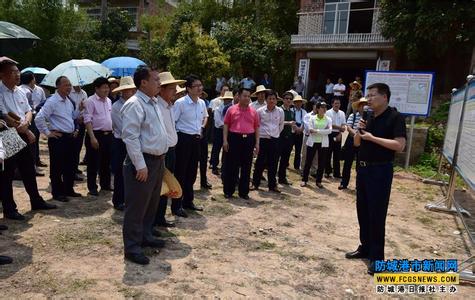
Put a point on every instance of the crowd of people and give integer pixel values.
(141, 126)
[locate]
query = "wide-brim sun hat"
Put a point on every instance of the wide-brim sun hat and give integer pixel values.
(227, 95)
(170, 184)
(259, 89)
(180, 89)
(355, 104)
(299, 98)
(126, 82)
(167, 78)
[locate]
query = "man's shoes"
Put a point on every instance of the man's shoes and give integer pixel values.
(228, 196)
(93, 193)
(120, 207)
(206, 185)
(5, 260)
(180, 213)
(253, 187)
(371, 268)
(215, 172)
(77, 177)
(43, 206)
(73, 194)
(193, 207)
(342, 187)
(358, 253)
(319, 185)
(245, 197)
(3, 227)
(303, 184)
(154, 244)
(14, 216)
(275, 190)
(138, 258)
(41, 164)
(284, 181)
(61, 198)
(165, 223)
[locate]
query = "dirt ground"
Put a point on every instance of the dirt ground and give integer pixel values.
(289, 246)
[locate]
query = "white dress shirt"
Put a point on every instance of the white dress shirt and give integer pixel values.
(169, 121)
(215, 103)
(78, 97)
(37, 96)
(60, 114)
(14, 101)
(218, 116)
(117, 118)
(256, 105)
(299, 114)
(329, 88)
(339, 87)
(143, 128)
(189, 115)
(306, 120)
(271, 122)
(338, 118)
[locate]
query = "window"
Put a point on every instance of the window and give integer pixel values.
(336, 16)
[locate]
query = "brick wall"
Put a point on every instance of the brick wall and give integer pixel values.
(311, 5)
(311, 24)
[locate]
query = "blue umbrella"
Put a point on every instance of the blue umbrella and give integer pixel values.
(122, 65)
(36, 70)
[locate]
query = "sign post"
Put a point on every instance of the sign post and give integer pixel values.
(304, 66)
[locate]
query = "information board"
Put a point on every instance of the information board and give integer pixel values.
(453, 124)
(466, 154)
(411, 92)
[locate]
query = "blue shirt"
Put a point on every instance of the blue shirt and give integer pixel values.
(189, 115)
(59, 112)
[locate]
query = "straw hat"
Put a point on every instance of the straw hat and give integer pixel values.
(259, 89)
(299, 98)
(113, 80)
(170, 184)
(167, 78)
(356, 85)
(126, 83)
(180, 89)
(227, 95)
(355, 104)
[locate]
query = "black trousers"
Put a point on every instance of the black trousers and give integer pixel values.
(204, 157)
(141, 202)
(267, 158)
(170, 160)
(119, 152)
(187, 157)
(25, 163)
(298, 139)
(217, 145)
(78, 142)
(373, 189)
(349, 154)
(98, 161)
(322, 154)
(238, 160)
(334, 151)
(285, 144)
(36, 146)
(61, 173)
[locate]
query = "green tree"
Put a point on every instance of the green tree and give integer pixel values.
(113, 31)
(197, 53)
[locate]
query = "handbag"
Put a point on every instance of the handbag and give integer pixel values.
(12, 142)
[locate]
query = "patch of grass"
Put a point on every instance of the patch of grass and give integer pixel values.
(265, 246)
(425, 220)
(220, 210)
(129, 292)
(167, 234)
(309, 288)
(327, 268)
(79, 285)
(298, 256)
(286, 224)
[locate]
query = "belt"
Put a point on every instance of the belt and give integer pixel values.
(103, 132)
(244, 135)
(373, 163)
(196, 136)
(153, 156)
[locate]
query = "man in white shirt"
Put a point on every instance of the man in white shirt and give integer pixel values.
(191, 117)
(271, 124)
(126, 89)
(299, 86)
(218, 132)
(247, 83)
(145, 137)
(297, 133)
(216, 102)
(329, 90)
(165, 98)
(78, 96)
(220, 81)
(338, 126)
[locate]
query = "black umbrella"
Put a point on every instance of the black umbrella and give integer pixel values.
(14, 39)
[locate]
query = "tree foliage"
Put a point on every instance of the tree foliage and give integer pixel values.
(424, 27)
(197, 53)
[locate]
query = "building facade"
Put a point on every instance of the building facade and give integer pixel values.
(339, 38)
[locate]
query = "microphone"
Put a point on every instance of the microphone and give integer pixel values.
(367, 114)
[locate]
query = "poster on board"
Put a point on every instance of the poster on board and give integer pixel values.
(411, 92)
(304, 66)
(452, 126)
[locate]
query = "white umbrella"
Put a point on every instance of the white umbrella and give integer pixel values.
(79, 72)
